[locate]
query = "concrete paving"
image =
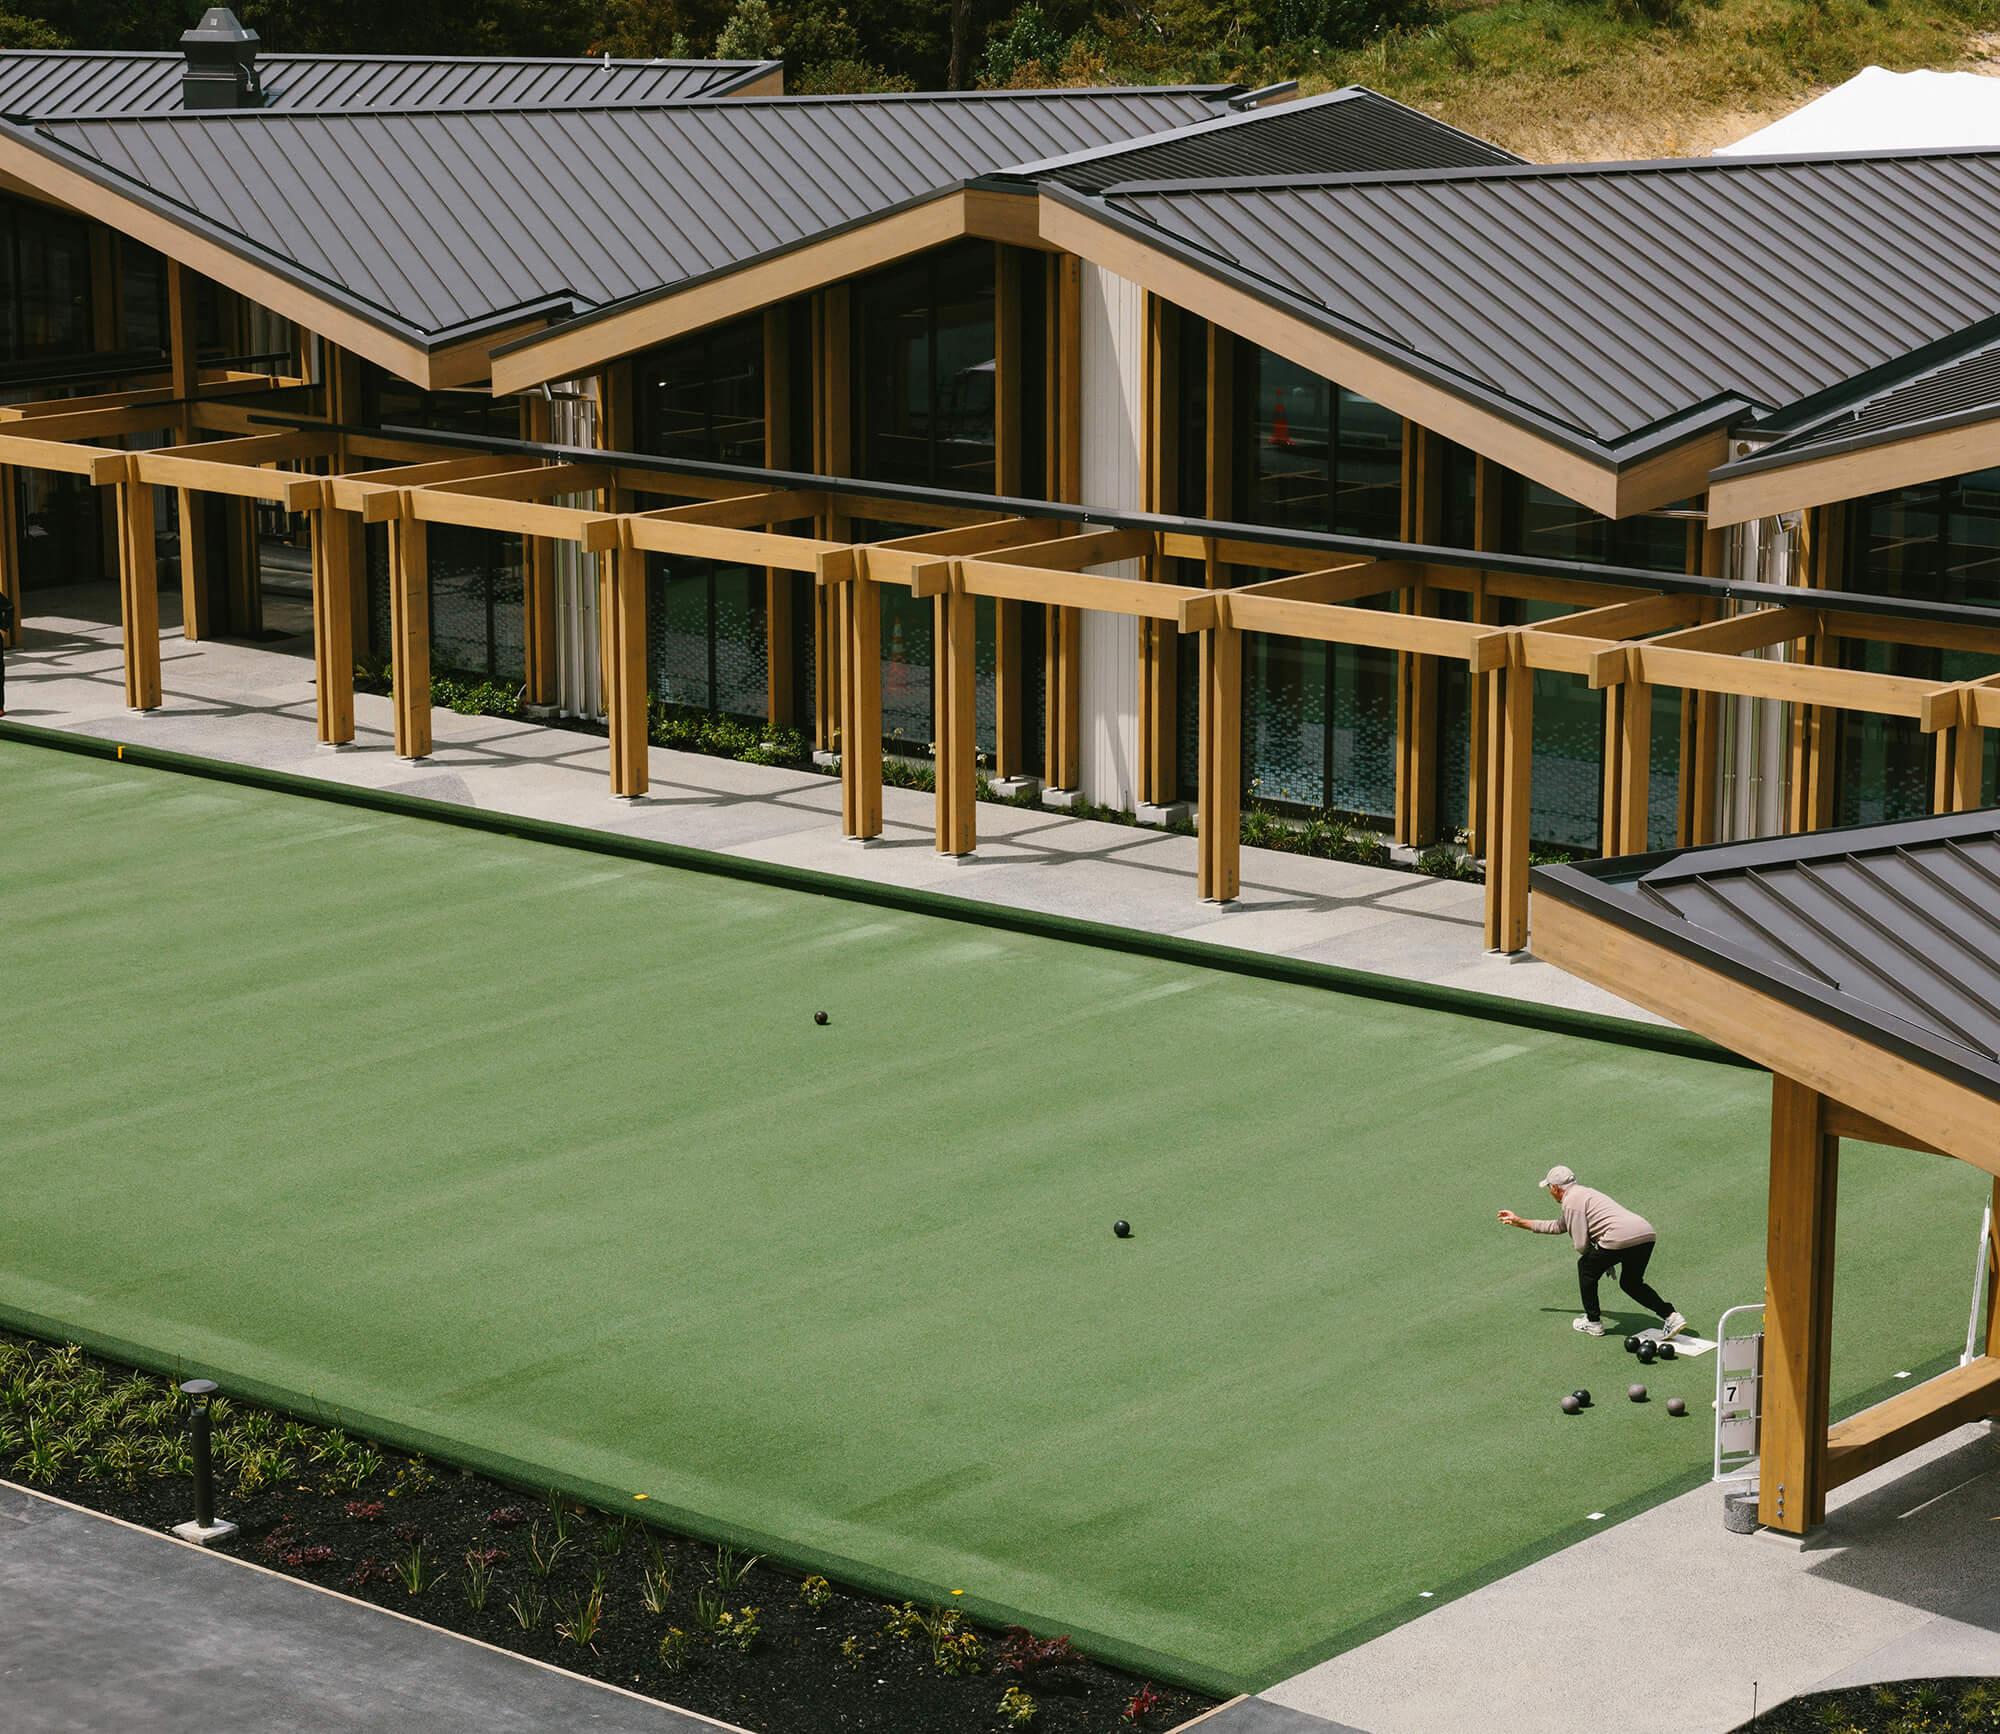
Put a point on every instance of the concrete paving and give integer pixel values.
(112, 1628)
(1669, 1623)
(253, 704)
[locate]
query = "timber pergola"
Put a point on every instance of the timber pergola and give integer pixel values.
(1628, 631)
(1862, 967)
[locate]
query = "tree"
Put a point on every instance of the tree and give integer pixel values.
(749, 35)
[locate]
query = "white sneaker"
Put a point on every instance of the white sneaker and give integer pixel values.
(1673, 1327)
(1591, 1327)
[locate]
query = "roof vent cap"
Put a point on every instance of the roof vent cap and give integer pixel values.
(221, 67)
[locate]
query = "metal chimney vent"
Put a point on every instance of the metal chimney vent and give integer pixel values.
(221, 63)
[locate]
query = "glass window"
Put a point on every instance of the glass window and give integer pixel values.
(706, 636)
(142, 295)
(477, 600)
(924, 360)
(62, 540)
(1312, 455)
(1937, 542)
(387, 400)
(703, 398)
(44, 283)
(1541, 522)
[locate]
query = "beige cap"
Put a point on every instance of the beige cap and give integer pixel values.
(1559, 1176)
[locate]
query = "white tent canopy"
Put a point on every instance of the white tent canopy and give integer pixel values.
(1881, 110)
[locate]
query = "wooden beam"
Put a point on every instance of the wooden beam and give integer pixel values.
(1062, 757)
(333, 626)
(1911, 1418)
(538, 578)
(1075, 590)
(1787, 682)
(1772, 1032)
(1845, 1122)
(1757, 630)
(1639, 618)
(1510, 751)
(1874, 469)
(183, 348)
(779, 584)
(536, 481)
(410, 635)
(1798, 1310)
(859, 606)
(1349, 581)
(897, 561)
(777, 506)
(10, 556)
(1080, 552)
(1428, 634)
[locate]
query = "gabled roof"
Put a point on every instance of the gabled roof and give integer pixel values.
(430, 224)
(1614, 308)
(1347, 131)
(38, 84)
(1890, 933)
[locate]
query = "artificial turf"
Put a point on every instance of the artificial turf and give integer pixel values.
(541, 1153)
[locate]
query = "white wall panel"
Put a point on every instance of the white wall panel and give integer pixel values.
(1114, 370)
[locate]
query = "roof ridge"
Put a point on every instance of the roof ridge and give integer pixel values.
(1531, 171)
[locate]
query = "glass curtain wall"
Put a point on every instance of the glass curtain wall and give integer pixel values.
(1936, 542)
(1566, 795)
(477, 586)
(45, 316)
(924, 376)
(707, 622)
(1319, 720)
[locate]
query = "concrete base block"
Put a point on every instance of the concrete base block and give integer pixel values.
(540, 713)
(1791, 1543)
(336, 746)
(1522, 956)
(1062, 799)
(825, 760)
(862, 842)
(969, 859)
(1015, 788)
(1164, 817)
(220, 1530)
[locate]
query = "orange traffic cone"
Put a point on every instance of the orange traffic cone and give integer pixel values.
(1281, 426)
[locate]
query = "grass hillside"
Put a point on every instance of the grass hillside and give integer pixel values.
(1560, 82)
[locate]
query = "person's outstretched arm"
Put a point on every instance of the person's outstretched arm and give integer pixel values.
(1533, 1227)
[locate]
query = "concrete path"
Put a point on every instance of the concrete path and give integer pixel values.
(1669, 1623)
(254, 705)
(111, 1628)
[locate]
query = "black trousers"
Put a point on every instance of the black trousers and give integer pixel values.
(1630, 1262)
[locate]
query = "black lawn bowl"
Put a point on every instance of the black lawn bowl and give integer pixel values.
(1668, 1352)
(1648, 1353)
(1570, 1406)
(1631, 1345)
(1637, 1393)
(1582, 1397)
(1677, 1406)
(1122, 1229)
(819, 1017)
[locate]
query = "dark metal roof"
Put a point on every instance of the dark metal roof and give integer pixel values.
(37, 84)
(435, 222)
(1955, 393)
(1344, 131)
(1891, 932)
(1612, 305)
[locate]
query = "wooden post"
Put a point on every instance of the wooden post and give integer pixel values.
(1063, 759)
(1159, 640)
(858, 605)
(1635, 752)
(625, 672)
(1798, 1309)
(1487, 532)
(1993, 1275)
(10, 554)
(833, 432)
(778, 668)
(1509, 767)
(1219, 819)
(957, 740)
(182, 346)
(342, 375)
(538, 579)
(333, 626)
(1698, 776)
(1009, 400)
(410, 634)
(139, 593)
(1416, 676)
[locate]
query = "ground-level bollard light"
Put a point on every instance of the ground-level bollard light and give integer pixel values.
(205, 1530)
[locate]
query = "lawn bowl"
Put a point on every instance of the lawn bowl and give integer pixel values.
(1570, 1406)
(1582, 1397)
(1677, 1406)
(1122, 1229)
(1631, 1345)
(819, 1017)
(1637, 1393)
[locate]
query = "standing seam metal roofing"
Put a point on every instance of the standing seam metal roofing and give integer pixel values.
(1345, 131)
(45, 83)
(1612, 299)
(1892, 930)
(438, 221)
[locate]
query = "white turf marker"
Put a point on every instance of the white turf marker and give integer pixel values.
(1593, 1516)
(1427, 1593)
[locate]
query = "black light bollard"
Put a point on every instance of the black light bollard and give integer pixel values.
(204, 1530)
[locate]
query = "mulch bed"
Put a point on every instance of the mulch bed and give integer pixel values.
(1957, 1706)
(823, 1657)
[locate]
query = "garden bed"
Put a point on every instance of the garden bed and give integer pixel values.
(1956, 1706)
(609, 1597)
